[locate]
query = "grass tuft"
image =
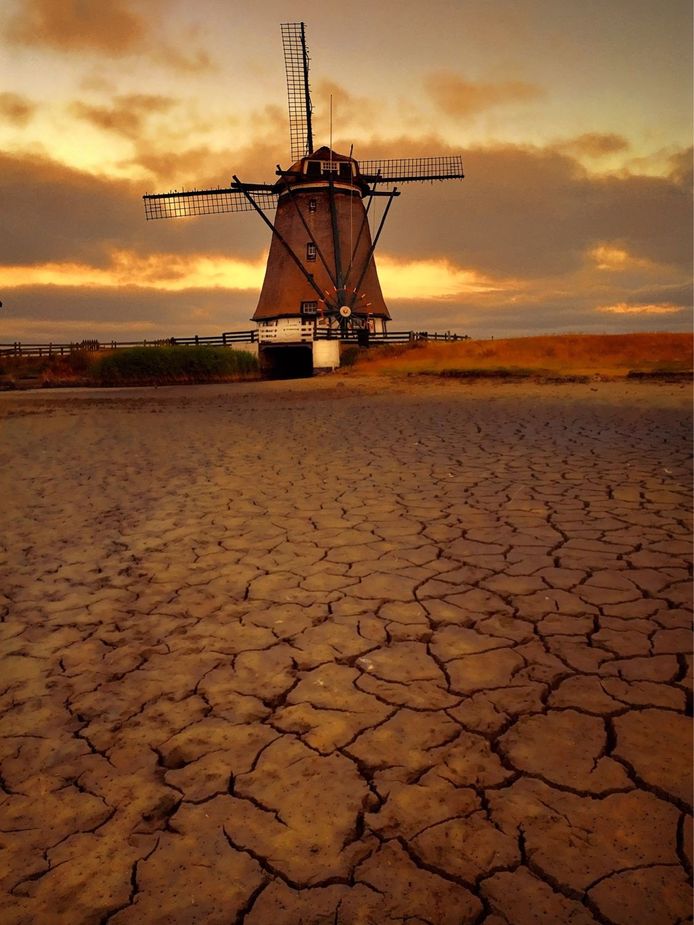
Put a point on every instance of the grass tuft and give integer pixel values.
(131, 366)
(160, 365)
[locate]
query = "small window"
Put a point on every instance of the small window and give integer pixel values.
(312, 205)
(329, 167)
(310, 251)
(309, 308)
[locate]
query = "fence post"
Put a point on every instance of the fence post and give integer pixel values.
(197, 340)
(224, 340)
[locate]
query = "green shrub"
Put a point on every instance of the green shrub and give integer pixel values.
(158, 365)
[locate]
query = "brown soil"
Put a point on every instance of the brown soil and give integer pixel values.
(346, 650)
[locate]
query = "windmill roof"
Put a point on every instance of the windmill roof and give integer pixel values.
(324, 153)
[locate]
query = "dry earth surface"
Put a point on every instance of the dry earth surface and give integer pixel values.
(346, 651)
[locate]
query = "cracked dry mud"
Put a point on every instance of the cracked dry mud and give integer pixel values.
(319, 652)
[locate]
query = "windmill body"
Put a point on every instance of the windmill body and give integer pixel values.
(321, 284)
(321, 218)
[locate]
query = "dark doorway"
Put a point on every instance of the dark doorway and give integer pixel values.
(286, 362)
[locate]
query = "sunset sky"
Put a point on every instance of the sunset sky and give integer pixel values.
(574, 119)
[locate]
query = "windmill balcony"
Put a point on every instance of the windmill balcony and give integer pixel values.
(286, 331)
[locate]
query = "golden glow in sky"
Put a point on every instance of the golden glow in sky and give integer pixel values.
(574, 121)
(399, 279)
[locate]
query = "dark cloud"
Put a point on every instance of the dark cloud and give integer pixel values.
(533, 212)
(16, 109)
(482, 317)
(66, 313)
(126, 115)
(455, 96)
(52, 213)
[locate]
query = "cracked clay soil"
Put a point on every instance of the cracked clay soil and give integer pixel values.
(346, 651)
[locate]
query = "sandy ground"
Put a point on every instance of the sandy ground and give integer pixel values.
(346, 651)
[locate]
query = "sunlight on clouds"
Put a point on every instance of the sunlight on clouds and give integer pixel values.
(419, 279)
(166, 272)
(611, 257)
(621, 308)
(174, 273)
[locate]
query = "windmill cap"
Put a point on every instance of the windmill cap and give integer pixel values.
(304, 171)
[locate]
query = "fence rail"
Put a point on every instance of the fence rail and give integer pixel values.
(389, 337)
(227, 339)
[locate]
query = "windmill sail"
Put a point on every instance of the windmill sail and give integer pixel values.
(300, 108)
(412, 169)
(208, 202)
(321, 279)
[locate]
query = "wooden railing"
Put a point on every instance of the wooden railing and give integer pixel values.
(227, 339)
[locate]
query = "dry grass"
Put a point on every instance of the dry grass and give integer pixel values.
(555, 356)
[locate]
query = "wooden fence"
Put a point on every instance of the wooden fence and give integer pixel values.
(227, 339)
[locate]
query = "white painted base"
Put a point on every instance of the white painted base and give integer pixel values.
(326, 354)
(247, 348)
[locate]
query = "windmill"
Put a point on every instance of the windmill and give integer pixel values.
(321, 279)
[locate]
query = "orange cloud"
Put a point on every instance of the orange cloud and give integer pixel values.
(127, 114)
(682, 167)
(346, 106)
(459, 97)
(400, 279)
(615, 257)
(112, 27)
(622, 308)
(595, 144)
(167, 272)
(16, 109)
(435, 279)
(193, 62)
